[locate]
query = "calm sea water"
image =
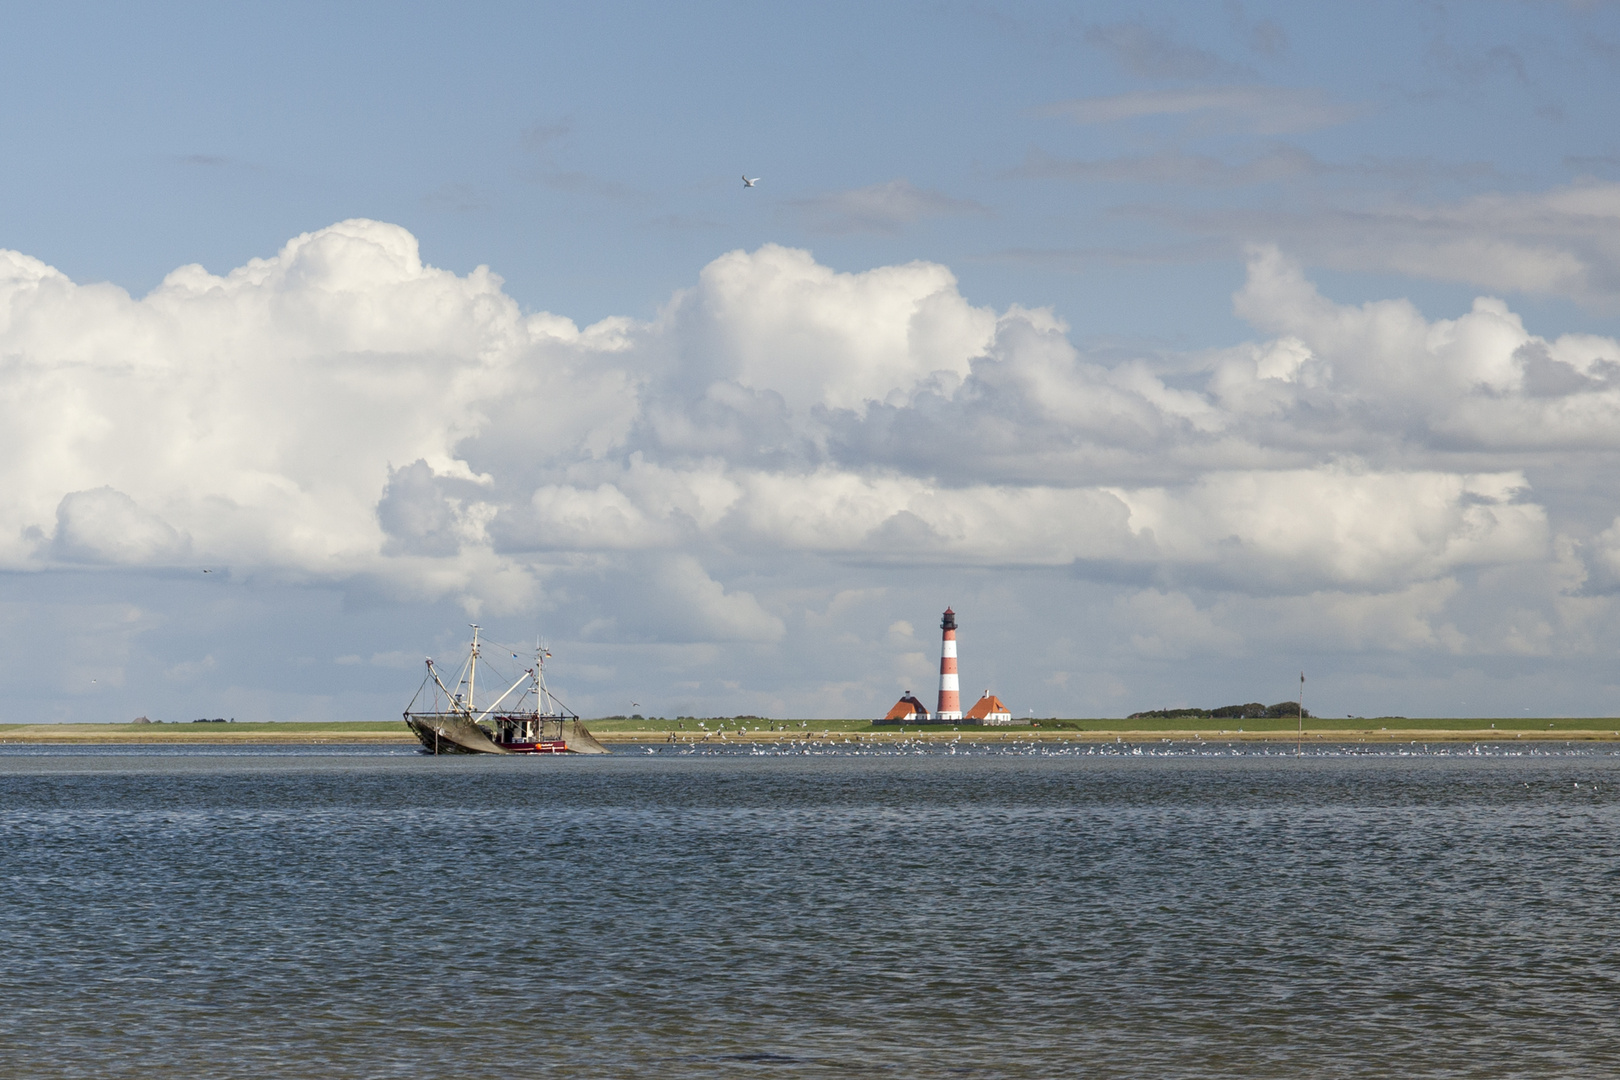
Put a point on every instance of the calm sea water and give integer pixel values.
(1133, 912)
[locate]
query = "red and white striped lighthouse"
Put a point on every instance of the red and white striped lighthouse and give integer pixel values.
(950, 690)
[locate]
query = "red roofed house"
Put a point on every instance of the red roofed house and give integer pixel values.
(908, 710)
(989, 710)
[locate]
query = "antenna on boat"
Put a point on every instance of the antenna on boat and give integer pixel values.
(472, 670)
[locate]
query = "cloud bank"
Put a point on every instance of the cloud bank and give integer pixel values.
(342, 414)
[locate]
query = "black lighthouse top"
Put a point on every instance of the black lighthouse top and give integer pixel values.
(949, 621)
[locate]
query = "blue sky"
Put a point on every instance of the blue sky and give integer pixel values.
(1175, 192)
(589, 155)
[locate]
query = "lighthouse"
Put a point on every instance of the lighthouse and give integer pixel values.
(950, 690)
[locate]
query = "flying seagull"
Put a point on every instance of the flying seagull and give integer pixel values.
(750, 183)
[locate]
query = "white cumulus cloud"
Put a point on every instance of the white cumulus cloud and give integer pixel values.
(343, 414)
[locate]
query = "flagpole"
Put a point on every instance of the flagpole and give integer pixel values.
(1299, 748)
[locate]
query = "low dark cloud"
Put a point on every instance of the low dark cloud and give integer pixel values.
(1084, 259)
(539, 137)
(583, 183)
(1153, 53)
(1264, 110)
(1177, 167)
(882, 208)
(1275, 163)
(456, 197)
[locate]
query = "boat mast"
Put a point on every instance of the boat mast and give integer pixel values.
(472, 670)
(542, 696)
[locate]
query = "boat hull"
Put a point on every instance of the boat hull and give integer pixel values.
(454, 733)
(545, 747)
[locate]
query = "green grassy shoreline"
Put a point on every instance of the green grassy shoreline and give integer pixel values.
(618, 730)
(380, 731)
(1281, 726)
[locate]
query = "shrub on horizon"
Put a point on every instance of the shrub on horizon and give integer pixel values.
(1252, 711)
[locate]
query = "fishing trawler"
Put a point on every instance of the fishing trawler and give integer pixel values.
(526, 718)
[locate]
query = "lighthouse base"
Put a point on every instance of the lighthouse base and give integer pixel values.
(947, 717)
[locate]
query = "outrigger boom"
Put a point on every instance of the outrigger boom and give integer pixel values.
(535, 723)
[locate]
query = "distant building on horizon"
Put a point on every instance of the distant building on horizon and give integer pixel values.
(908, 710)
(989, 710)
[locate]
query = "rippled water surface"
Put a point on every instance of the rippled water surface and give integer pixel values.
(1102, 912)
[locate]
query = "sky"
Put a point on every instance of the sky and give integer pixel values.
(1179, 348)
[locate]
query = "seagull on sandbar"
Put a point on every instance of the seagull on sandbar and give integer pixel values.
(750, 183)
